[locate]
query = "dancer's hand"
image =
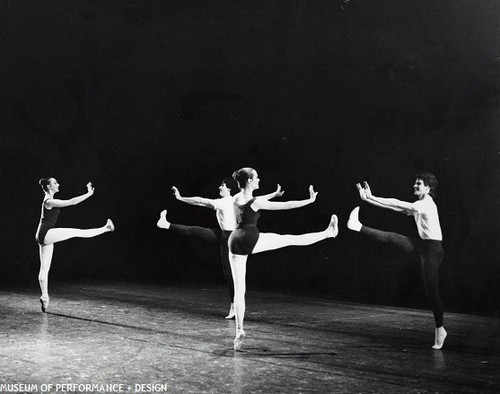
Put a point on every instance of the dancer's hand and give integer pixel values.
(364, 192)
(90, 188)
(278, 192)
(312, 193)
(177, 194)
(368, 191)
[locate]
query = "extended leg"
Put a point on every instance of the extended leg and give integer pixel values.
(271, 241)
(205, 234)
(62, 234)
(407, 244)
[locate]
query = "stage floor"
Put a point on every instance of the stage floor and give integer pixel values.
(176, 340)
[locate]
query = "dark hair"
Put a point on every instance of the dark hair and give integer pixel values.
(429, 180)
(243, 175)
(44, 182)
(231, 184)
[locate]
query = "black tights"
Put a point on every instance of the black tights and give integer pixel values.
(213, 236)
(430, 254)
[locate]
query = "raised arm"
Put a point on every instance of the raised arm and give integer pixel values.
(198, 201)
(277, 193)
(261, 203)
(388, 203)
(55, 203)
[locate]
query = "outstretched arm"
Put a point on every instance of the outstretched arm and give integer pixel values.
(260, 203)
(198, 201)
(277, 193)
(388, 203)
(55, 203)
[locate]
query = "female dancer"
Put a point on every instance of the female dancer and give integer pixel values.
(246, 239)
(47, 235)
(428, 248)
(224, 211)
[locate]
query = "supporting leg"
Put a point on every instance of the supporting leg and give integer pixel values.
(46, 252)
(238, 268)
(226, 270)
(431, 255)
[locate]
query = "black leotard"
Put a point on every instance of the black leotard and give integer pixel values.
(245, 236)
(48, 220)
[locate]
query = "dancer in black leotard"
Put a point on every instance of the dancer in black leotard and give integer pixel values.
(224, 211)
(246, 239)
(47, 235)
(427, 248)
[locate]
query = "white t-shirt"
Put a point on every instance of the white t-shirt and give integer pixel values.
(427, 219)
(224, 211)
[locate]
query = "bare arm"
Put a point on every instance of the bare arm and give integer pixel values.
(260, 203)
(197, 201)
(55, 203)
(277, 193)
(388, 203)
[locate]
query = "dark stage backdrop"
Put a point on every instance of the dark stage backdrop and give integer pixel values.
(137, 96)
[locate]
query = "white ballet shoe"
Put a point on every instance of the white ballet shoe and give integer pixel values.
(162, 222)
(439, 337)
(238, 341)
(232, 313)
(353, 222)
(45, 304)
(110, 226)
(333, 227)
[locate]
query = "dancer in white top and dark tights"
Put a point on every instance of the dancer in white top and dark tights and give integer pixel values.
(224, 212)
(428, 247)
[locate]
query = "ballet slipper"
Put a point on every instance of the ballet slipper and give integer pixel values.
(110, 226)
(439, 337)
(232, 313)
(353, 222)
(333, 227)
(45, 303)
(238, 341)
(162, 222)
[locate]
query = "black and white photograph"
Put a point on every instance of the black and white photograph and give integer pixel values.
(269, 196)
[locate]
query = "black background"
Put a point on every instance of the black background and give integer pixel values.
(137, 96)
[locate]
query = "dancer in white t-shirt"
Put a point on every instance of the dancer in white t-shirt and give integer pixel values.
(428, 247)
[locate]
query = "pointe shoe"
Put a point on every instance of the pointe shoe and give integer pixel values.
(439, 337)
(231, 314)
(238, 341)
(45, 304)
(353, 222)
(110, 226)
(333, 227)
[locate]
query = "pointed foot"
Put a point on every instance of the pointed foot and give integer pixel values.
(238, 341)
(353, 222)
(231, 314)
(439, 337)
(162, 222)
(44, 301)
(333, 227)
(110, 225)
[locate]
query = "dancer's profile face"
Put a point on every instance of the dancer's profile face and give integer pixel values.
(53, 185)
(420, 189)
(224, 191)
(255, 180)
